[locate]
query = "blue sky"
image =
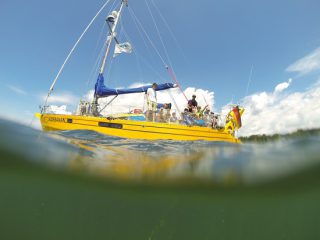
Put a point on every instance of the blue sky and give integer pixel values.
(217, 43)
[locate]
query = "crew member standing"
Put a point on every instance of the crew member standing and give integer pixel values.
(152, 101)
(192, 104)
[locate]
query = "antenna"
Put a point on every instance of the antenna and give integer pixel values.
(249, 81)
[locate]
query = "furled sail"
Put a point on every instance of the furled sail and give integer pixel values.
(102, 91)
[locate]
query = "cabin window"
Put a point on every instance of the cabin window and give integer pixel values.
(110, 125)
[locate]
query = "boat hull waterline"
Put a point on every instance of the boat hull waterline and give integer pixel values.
(134, 129)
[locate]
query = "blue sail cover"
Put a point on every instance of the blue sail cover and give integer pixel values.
(102, 91)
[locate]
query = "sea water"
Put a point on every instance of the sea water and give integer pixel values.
(164, 160)
(84, 185)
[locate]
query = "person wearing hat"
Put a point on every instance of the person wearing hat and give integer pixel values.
(192, 104)
(152, 101)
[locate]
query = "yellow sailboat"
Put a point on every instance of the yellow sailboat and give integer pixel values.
(135, 129)
(135, 126)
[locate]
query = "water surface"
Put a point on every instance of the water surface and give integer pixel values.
(83, 185)
(136, 160)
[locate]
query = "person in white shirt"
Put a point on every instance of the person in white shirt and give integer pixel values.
(152, 101)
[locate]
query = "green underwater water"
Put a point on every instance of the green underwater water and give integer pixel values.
(52, 187)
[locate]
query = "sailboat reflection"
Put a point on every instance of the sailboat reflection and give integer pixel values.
(152, 161)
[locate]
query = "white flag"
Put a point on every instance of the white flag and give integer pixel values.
(122, 48)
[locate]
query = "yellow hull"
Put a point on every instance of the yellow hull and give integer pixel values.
(133, 129)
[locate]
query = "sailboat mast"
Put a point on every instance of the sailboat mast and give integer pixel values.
(114, 19)
(112, 35)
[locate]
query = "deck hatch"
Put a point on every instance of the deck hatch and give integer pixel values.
(110, 125)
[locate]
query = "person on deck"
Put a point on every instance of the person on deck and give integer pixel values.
(200, 113)
(152, 101)
(189, 107)
(161, 116)
(167, 112)
(192, 104)
(173, 118)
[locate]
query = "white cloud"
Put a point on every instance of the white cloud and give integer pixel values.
(277, 112)
(61, 98)
(58, 109)
(307, 64)
(17, 90)
(282, 86)
(128, 102)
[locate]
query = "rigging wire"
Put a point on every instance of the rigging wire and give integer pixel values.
(141, 35)
(160, 37)
(109, 67)
(169, 29)
(133, 46)
(172, 35)
(139, 56)
(157, 51)
(95, 66)
(100, 37)
(176, 80)
(170, 70)
(146, 34)
(147, 47)
(175, 103)
(71, 52)
(92, 72)
(135, 51)
(96, 63)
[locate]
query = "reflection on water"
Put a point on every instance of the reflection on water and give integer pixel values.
(125, 159)
(152, 160)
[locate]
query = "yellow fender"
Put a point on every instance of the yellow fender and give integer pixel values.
(38, 115)
(229, 128)
(232, 121)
